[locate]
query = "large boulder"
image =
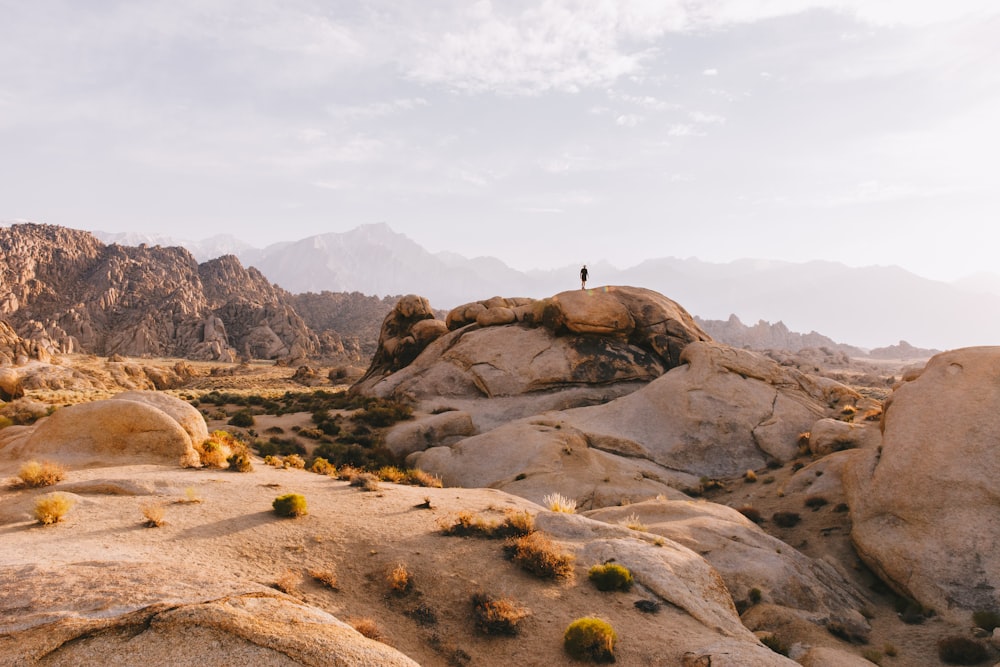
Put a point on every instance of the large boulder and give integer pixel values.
(62, 616)
(925, 507)
(182, 412)
(108, 432)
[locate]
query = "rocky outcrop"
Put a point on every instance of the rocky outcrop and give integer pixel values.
(766, 336)
(63, 291)
(924, 507)
(748, 558)
(515, 347)
(182, 616)
(143, 427)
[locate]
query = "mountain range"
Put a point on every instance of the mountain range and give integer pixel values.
(866, 307)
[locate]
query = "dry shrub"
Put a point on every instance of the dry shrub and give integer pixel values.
(391, 474)
(786, 519)
(35, 475)
(347, 472)
(497, 615)
(366, 481)
(240, 462)
(190, 496)
(417, 477)
(52, 507)
(153, 513)
(367, 627)
(633, 522)
(537, 554)
(557, 502)
(294, 461)
(750, 477)
(215, 451)
(290, 505)
(400, 580)
(590, 639)
(321, 466)
(272, 461)
(751, 513)
(326, 577)
(514, 524)
(289, 582)
(815, 502)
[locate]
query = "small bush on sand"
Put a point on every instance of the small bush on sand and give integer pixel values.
(240, 462)
(294, 461)
(367, 627)
(400, 580)
(153, 514)
(514, 524)
(365, 481)
(538, 555)
(959, 650)
(751, 513)
(815, 502)
(611, 577)
(497, 615)
(323, 467)
(52, 507)
(326, 577)
(418, 477)
(242, 419)
(34, 475)
(290, 505)
(557, 502)
(590, 639)
(391, 474)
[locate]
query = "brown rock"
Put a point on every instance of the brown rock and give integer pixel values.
(10, 385)
(924, 508)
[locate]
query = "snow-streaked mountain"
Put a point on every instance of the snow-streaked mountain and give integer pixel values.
(868, 307)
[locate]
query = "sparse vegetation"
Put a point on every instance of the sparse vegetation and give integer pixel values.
(153, 513)
(755, 596)
(815, 502)
(326, 577)
(959, 650)
(294, 461)
(873, 655)
(537, 554)
(773, 642)
(242, 419)
(366, 481)
(633, 522)
(556, 502)
(590, 639)
(417, 477)
(367, 627)
(289, 582)
(190, 496)
(750, 477)
(290, 505)
(35, 475)
(497, 615)
(751, 513)
(52, 508)
(240, 462)
(400, 580)
(514, 524)
(611, 577)
(321, 466)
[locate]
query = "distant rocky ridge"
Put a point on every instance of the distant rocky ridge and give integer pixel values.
(866, 307)
(64, 291)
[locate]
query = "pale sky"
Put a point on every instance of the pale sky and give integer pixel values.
(542, 133)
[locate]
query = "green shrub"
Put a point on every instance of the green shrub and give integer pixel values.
(815, 502)
(775, 644)
(242, 419)
(611, 577)
(240, 462)
(958, 650)
(590, 639)
(321, 466)
(290, 504)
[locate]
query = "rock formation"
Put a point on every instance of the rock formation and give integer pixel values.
(924, 506)
(64, 291)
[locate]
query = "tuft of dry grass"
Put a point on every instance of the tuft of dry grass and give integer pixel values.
(52, 508)
(367, 627)
(321, 466)
(153, 513)
(556, 502)
(633, 522)
(289, 583)
(365, 481)
(35, 475)
(514, 524)
(400, 580)
(538, 555)
(391, 474)
(326, 577)
(294, 461)
(190, 496)
(497, 615)
(417, 477)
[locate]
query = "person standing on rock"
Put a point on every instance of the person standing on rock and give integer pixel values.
(583, 277)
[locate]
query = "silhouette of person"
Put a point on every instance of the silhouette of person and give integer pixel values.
(583, 277)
